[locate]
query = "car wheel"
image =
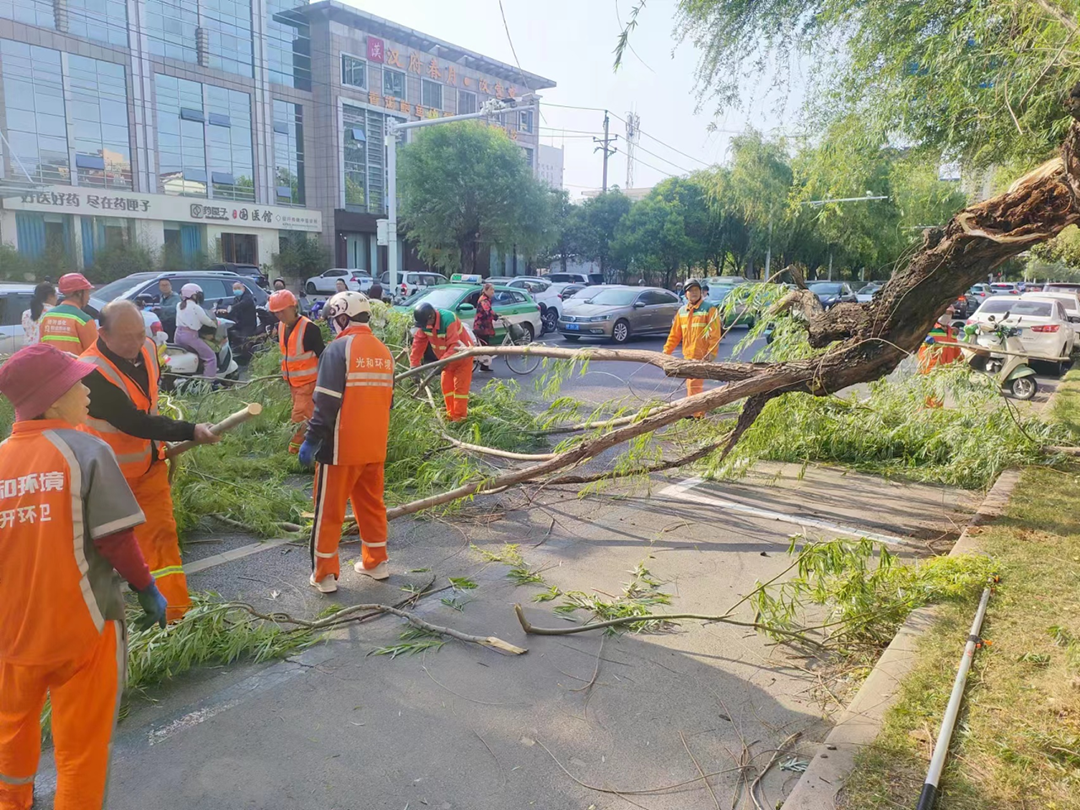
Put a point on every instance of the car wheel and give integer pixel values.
(571, 338)
(530, 330)
(620, 332)
(311, 289)
(551, 320)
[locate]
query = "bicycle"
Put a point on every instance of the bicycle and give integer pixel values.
(516, 335)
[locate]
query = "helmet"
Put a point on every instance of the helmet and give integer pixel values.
(190, 290)
(144, 300)
(281, 299)
(422, 314)
(72, 283)
(348, 303)
(691, 282)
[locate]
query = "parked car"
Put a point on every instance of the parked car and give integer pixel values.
(541, 291)
(1045, 331)
(742, 316)
(980, 292)
(866, 294)
(724, 281)
(512, 306)
(1061, 286)
(252, 270)
(14, 301)
(568, 291)
(1070, 299)
(616, 313)
(1004, 288)
(411, 283)
(326, 282)
(831, 293)
(588, 279)
(216, 286)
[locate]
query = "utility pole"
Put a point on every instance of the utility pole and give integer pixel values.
(605, 145)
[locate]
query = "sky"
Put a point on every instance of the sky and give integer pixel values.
(572, 43)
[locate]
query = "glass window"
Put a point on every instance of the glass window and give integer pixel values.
(353, 71)
(288, 153)
(288, 44)
(466, 102)
(34, 102)
(170, 29)
(239, 248)
(213, 288)
(31, 12)
(228, 27)
(393, 83)
(614, 296)
(365, 165)
(528, 153)
(181, 142)
(431, 94)
(525, 120)
(99, 121)
(229, 153)
(103, 20)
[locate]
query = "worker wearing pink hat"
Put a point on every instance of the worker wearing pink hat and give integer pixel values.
(68, 327)
(66, 530)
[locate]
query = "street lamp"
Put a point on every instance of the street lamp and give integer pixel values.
(490, 107)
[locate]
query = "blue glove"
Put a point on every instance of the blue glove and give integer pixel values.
(153, 605)
(307, 453)
(929, 340)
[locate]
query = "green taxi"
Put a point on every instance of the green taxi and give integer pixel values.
(460, 296)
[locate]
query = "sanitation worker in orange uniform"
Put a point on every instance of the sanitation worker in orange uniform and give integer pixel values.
(697, 326)
(444, 332)
(301, 344)
(66, 521)
(69, 327)
(346, 440)
(124, 414)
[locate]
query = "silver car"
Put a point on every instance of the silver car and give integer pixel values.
(616, 313)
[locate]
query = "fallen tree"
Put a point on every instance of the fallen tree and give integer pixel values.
(861, 342)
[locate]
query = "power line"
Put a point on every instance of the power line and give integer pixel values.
(661, 157)
(643, 163)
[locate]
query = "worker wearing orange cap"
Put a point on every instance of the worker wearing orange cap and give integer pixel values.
(66, 531)
(301, 344)
(68, 327)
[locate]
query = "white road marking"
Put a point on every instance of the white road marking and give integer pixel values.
(235, 554)
(684, 491)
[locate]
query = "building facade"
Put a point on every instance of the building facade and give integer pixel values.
(549, 165)
(368, 71)
(215, 128)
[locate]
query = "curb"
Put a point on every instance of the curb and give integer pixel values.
(858, 726)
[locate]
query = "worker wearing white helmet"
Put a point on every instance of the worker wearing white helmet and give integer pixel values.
(346, 439)
(190, 318)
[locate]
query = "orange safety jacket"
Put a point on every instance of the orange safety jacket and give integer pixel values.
(67, 328)
(698, 328)
(447, 336)
(298, 367)
(133, 454)
(353, 396)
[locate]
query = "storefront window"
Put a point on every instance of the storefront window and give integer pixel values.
(288, 153)
(240, 248)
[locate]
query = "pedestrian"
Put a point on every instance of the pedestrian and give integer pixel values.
(375, 292)
(932, 354)
(167, 302)
(484, 323)
(279, 284)
(42, 301)
(346, 440)
(68, 326)
(444, 332)
(191, 321)
(340, 286)
(151, 322)
(697, 326)
(67, 533)
(301, 344)
(679, 291)
(124, 414)
(245, 318)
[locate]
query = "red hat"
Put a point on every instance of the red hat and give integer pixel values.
(38, 375)
(73, 282)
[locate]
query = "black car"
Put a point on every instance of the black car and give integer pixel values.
(250, 270)
(830, 293)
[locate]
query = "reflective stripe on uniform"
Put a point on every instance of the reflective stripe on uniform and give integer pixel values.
(370, 375)
(326, 555)
(60, 337)
(311, 372)
(132, 458)
(17, 780)
(320, 390)
(167, 571)
(374, 545)
(100, 425)
(367, 383)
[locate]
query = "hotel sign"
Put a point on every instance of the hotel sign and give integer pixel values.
(100, 202)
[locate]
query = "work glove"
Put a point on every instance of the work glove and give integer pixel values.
(153, 605)
(307, 453)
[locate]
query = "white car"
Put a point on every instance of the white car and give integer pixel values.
(1068, 298)
(326, 283)
(14, 301)
(410, 283)
(1045, 330)
(542, 291)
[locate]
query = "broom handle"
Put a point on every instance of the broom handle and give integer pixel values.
(226, 424)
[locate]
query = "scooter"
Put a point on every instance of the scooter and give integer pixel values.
(183, 367)
(1001, 354)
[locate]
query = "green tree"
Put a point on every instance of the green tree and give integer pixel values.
(595, 231)
(300, 258)
(118, 260)
(466, 188)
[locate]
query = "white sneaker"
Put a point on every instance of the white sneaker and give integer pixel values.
(328, 585)
(380, 571)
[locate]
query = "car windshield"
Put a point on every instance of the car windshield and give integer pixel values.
(720, 293)
(117, 288)
(826, 289)
(1038, 309)
(442, 298)
(870, 289)
(614, 298)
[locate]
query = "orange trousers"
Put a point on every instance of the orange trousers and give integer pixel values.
(336, 484)
(456, 379)
(303, 408)
(85, 695)
(695, 387)
(158, 540)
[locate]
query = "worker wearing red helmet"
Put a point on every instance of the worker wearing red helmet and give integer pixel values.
(301, 344)
(69, 327)
(67, 523)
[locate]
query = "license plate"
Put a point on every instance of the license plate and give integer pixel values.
(573, 327)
